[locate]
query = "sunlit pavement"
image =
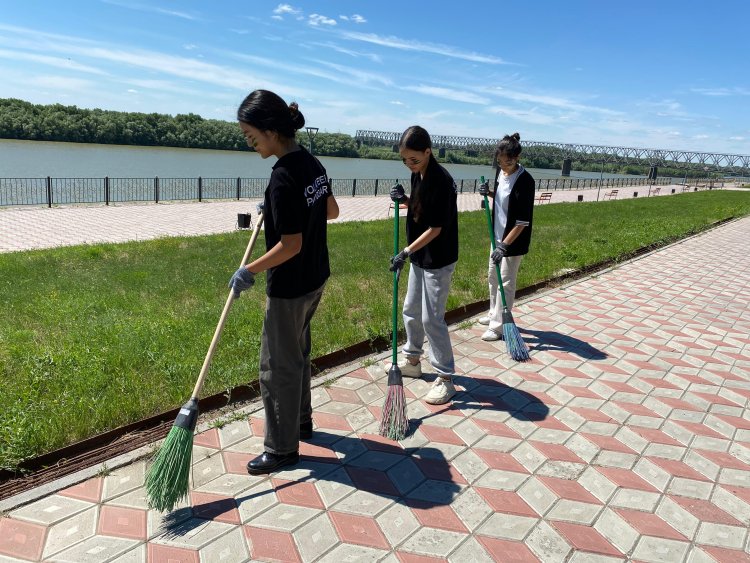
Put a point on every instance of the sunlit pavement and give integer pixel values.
(627, 437)
(26, 228)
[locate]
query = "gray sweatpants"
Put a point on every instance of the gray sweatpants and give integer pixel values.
(424, 314)
(509, 271)
(285, 369)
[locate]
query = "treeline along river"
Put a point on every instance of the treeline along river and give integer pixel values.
(80, 161)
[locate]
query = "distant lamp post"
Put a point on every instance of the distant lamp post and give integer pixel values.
(311, 132)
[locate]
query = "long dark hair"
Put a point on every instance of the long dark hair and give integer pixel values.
(509, 145)
(416, 138)
(266, 111)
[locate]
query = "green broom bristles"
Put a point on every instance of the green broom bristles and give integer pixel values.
(167, 480)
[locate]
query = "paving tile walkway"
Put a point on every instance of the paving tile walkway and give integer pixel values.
(25, 228)
(625, 438)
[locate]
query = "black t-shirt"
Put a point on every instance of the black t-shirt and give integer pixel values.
(296, 201)
(436, 196)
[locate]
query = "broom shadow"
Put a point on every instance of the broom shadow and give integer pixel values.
(425, 480)
(547, 340)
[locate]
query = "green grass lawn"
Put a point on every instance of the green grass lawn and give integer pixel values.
(93, 337)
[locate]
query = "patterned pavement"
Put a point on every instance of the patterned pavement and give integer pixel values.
(626, 438)
(26, 228)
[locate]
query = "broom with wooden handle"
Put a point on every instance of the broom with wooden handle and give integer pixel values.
(514, 343)
(167, 479)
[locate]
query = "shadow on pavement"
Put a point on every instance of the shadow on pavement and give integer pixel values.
(545, 340)
(418, 477)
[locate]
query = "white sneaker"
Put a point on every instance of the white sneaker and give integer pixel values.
(484, 320)
(491, 335)
(407, 368)
(441, 392)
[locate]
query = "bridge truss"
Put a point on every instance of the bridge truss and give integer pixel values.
(706, 161)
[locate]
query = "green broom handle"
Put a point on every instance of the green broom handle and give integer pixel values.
(394, 308)
(492, 243)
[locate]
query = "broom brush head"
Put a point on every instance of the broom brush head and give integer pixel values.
(394, 422)
(167, 479)
(514, 343)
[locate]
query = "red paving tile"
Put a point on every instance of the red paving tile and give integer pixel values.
(722, 555)
(208, 439)
(434, 515)
(626, 479)
(158, 553)
(324, 420)
(556, 452)
(608, 443)
(441, 435)
(215, 507)
(636, 408)
(700, 429)
(500, 460)
(371, 480)
(439, 470)
(507, 551)
(677, 468)
(313, 452)
(359, 530)
(404, 557)
(122, 522)
(585, 538)
(271, 545)
(655, 436)
(593, 415)
(236, 462)
(21, 539)
(678, 404)
(506, 502)
(90, 490)
(297, 493)
(724, 460)
(343, 395)
(569, 490)
(648, 524)
(496, 428)
(705, 511)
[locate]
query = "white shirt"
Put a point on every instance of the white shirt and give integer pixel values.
(502, 196)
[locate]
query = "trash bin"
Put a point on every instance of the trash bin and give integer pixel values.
(244, 220)
(580, 197)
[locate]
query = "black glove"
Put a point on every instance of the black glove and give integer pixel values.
(241, 280)
(484, 188)
(398, 261)
(397, 193)
(500, 252)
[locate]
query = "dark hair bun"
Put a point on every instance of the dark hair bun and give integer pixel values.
(516, 136)
(298, 120)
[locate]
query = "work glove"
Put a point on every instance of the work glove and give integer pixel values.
(241, 280)
(484, 188)
(260, 207)
(500, 252)
(397, 193)
(398, 261)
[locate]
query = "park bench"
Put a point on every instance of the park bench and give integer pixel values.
(611, 195)
(685, 188)
(544, 197)
(654, 191)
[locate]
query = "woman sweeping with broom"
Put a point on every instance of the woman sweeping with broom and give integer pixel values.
(432, 236)
(297, 203)
(512, 211)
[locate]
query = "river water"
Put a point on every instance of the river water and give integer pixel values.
(39, 159)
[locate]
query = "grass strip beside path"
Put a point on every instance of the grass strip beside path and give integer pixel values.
(94, 337)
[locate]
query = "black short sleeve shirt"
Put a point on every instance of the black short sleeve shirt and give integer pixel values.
(432, 203)
(296, 202)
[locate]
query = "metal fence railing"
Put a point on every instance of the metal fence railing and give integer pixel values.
(63, 191)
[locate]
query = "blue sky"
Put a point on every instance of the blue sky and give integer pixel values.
(658, 74)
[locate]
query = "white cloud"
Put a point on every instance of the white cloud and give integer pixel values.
(448, 94)
(735, 91)
(736, 138)
(411, 45)
(151, 9)
(131, 91)
(546, 100)
(317, 19)
(372, 56)
(189, 47)
(282, 9)
(57, 62)
(277, 18)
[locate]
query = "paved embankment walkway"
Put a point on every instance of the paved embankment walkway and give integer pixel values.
(25, 228)
(626, 438)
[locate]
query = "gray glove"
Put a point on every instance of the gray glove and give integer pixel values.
(397, 193)
(260, 207)
(398, 261)
(484, 188)
(500, 252)
(241, 280)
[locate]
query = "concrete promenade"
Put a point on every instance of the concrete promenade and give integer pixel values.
(25, 228)
(626, 438)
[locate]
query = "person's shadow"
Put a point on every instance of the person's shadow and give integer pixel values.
(412, 473)
(547, 340)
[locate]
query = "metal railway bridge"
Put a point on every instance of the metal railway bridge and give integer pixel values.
(689, 160)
